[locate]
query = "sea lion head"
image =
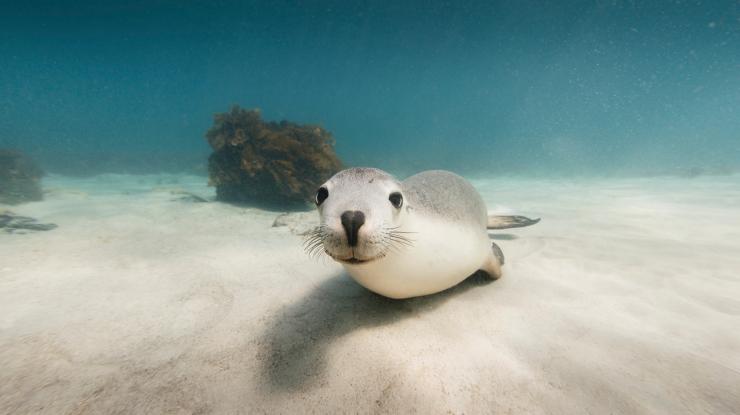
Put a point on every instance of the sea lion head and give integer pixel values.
(362, 212)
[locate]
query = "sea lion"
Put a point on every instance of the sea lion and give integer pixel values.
(407, 238)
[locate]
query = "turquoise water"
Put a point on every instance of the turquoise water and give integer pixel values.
(525, 87)
(615, 122)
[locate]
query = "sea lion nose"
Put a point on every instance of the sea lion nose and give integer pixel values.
(352, 220)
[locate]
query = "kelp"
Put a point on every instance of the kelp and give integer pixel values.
(278, 164)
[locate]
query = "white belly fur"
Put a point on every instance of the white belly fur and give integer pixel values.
(443, 254)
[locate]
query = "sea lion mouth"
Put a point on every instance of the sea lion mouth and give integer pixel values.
(355, 260)
(352, 260)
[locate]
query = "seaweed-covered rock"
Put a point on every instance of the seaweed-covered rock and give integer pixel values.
(19, 178)
(268, 163)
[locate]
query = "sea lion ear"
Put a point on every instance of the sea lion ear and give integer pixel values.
(396, 199)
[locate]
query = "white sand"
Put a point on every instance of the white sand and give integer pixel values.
(624, 299)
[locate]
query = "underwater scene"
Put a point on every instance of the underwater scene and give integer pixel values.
(370, 207)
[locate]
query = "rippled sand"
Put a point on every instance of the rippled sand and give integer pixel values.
(625, 298)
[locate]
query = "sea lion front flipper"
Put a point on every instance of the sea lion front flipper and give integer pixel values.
(492, 267)
(506, 222)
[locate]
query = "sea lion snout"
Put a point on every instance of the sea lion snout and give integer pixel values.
(352, 220)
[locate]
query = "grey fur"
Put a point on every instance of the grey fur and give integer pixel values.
(447, 196)
(439, 193)
(360, 174)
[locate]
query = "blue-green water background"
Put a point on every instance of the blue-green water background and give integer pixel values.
(522, 87)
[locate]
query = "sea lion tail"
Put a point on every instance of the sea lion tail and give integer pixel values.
(506, 222)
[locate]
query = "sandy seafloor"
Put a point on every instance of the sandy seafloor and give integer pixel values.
(624, 299)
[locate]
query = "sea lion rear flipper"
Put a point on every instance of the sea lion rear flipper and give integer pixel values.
(506, 222)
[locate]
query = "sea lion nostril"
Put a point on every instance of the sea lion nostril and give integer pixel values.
(352, 220)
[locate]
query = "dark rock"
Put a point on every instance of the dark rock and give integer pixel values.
(190, 197)
(19, 178)
(12, 223)
(268, 163)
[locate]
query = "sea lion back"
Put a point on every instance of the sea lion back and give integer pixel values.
(445, 195)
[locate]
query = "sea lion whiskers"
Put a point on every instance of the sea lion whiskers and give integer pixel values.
(313, 243)
(395, 238)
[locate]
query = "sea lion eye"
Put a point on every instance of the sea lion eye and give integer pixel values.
(396, 200)
(321, 195)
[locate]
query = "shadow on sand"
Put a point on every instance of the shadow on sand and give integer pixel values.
(502, 236)
(294, 346)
